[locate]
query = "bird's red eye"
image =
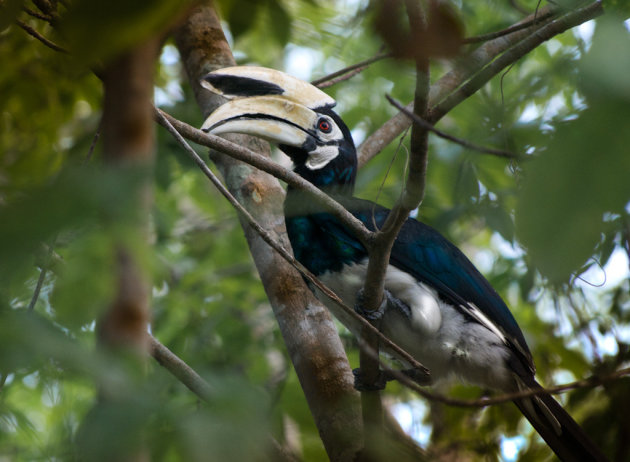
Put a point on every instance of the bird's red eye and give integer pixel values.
(324, 126)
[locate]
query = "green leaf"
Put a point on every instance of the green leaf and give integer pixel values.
(242, 16)
(569, 189)
(280, 22)
(584, 174)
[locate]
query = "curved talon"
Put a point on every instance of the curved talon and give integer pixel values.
(418, 376)
(370, 315)
(389, 301)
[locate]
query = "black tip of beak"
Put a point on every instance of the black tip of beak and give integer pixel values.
(241, 86)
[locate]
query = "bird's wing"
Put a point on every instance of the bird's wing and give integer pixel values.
(428, 256)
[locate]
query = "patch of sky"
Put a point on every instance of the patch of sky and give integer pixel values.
(358, 135)
(171, 92)
(553, 46)
(301, 61)
(410, 416)
(611, 275)
(511, 447)
(585, 32)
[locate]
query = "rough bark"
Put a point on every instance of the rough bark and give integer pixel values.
(308, 331)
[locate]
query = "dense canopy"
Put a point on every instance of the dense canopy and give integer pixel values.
(91, 212)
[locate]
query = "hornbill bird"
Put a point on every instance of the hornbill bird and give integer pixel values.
(437, 306)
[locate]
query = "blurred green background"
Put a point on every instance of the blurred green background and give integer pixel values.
(551, 232)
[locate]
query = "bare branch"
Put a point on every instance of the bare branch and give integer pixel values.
(342, 78)
(309, 334)
(176, 366)
(33, 33)
(469, 68)
(42, 276)
(405, 380)
(266, 236)
(536, 20)
(379, 253)
(267, 165)
(354, 69)
(35, 14)
(590, 382)
(467, 144)
(516, 52)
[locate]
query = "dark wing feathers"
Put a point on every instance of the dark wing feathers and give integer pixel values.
(424, 253)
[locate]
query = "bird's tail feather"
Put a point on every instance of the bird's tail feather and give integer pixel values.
(563, 434)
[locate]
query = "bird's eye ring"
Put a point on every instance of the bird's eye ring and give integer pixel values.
(324, 125)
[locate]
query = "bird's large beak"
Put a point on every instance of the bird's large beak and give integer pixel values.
(273, 118)
(248, 81)
(265, 103)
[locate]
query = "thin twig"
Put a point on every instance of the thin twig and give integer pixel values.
(42, 275)
(33, 33)
(342, 78)
(360, 65)
(590, 382)
(412, 385)
(38, 287)
(264, 234)
(266, 165)
(472, 72)
(536, 20)
(516, 52)
(176, 366)
(467, 144)
(36, 14)
(95, 138)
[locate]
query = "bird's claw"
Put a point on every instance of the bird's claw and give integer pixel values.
(417, 375)
(361, 384)
(389, 301)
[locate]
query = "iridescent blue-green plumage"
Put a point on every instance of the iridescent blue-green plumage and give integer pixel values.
(438, 307)
(321, 243)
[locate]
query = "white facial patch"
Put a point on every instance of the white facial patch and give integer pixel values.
(321, 156)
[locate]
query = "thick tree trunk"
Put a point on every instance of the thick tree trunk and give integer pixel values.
(308, 331)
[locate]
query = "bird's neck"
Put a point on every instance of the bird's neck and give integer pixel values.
(336, 178)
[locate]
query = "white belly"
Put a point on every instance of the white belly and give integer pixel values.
(437, 334)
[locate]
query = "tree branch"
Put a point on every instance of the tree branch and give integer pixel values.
(467, 144)
(308, 331)
(274, 244)
(465, 70)
(536, 20)
(515, 52)
(35, 14)
(33, 33)
(353, 69)
(265, 164)
(182, 371)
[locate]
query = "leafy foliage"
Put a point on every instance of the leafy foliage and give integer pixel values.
(531, 227)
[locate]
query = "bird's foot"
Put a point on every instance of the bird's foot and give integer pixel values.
(417, 375)
(389, 302)
(361, 384)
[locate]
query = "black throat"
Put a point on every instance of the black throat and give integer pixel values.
(339, 175)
